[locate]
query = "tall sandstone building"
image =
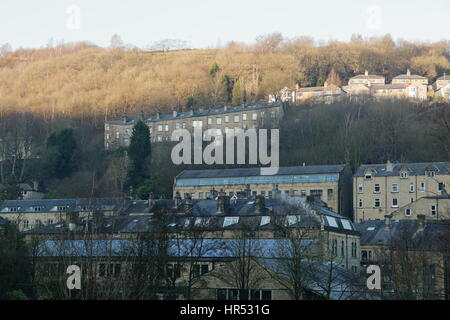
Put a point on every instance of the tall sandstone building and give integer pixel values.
(380, 189)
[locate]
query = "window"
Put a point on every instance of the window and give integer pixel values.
(411, 187)
(218, 120)
(117, 135)
(360, 188)
(440, 186)
(330, 194)
(177, 125)
(235, 294)
(303, 193)
(422, 187)
(433, 210)
(236, 118)
(209, 120)
(183, 125)
(394, 187)
(368, 175)
(25, 224)
(360, 203)
(160, 127)
(376, 188)
(200, 195)
(430, 173)
(394, 202)
(197, 123)
(354, 249)
(173, 271)
(244, 116)
(254, 116)
(376, 203)
(227, 118)
(166, 128)
(366, 255)
(109, 269)
(334, 248)
(273, 114)
(316, 194)
(407, 212)
(404, 175)
(342, 249)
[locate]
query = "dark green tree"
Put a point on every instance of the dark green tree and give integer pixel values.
(190, 102)
(15, 272)
(228, 84)
(59, 154)
(139, 153)
(10, 190)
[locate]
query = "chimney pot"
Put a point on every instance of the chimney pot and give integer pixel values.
(259, 204)
(389, 166)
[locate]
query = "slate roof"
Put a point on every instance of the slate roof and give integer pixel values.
(390, 86)
(344, 285)
(413, 168)
(375, 232)
(251, 172)
(412, 76)
(198, 113)
(295, 212)
(370, 76)
(48, 205)
(444, 77)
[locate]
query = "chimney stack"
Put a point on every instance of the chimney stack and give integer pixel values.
(259, 204)
(158, 115)
(35, 185)
(177, 199)
(125, 117)
(389, 166)
(366, 73)
(223, 203)
(187, 202)
(175, 113)
(387, 221)
(421, 220)
(151, 200)
(408, 72)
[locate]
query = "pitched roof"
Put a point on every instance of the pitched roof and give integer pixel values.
(47, 205)
(413, 168)
(198, 113)
(252, 172)
(389, 86)
(411, 76)
(444, 77)
(375, 232)
(369, 76)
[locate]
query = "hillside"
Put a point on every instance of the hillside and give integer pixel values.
(84, 79)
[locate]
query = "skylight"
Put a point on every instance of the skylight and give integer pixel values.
(332, 222)
(228, 221)
(346, 224)
(265, 220)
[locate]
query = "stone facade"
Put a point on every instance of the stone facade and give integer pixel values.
(380, 189)
(331, 184)
(432, 207)
(118, 132)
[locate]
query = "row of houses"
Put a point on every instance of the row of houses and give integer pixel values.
(405, 86)
(405, 190)
(284, 244)
(161, 126)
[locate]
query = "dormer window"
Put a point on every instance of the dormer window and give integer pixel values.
(430, 171)
(403, 174)
(368, 175)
